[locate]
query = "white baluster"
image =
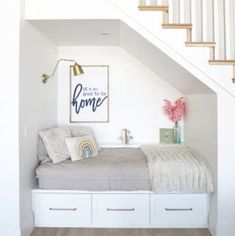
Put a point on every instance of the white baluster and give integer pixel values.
(181, 11)
(229, 28)
(200, 23)
(153, 2)
(227, 36)
(219, 23)
(142, 2)
(176, 11)
(158, 2)
(207, 20)
(197, 20)
(232, 27)
(204, 20)
(170, 4)
(185, 9)
(165, 2)
(216, 28)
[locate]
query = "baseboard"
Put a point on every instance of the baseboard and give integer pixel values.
(212, 231)
(27, 227)
(27, 231)
(10, 232)
(226, 229)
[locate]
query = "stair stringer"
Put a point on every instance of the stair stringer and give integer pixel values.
(172, 43)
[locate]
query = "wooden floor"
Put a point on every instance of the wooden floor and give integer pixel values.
(119, 232)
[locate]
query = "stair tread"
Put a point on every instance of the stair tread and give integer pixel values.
(177, 26)
(189, 43)
(222, 62)
(200, 44)
(153, 8)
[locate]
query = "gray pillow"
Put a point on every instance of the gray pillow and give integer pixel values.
(41, 150)
(78, 131)
(54, 141)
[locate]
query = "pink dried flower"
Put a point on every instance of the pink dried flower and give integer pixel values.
(175, 111)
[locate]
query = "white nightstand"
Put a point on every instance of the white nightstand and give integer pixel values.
(135, 145)
(119, 145)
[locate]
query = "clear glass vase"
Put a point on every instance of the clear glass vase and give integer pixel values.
(177, 133)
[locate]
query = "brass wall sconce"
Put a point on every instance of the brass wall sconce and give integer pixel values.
(76, 68)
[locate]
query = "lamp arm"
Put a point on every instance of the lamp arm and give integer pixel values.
(57, 64)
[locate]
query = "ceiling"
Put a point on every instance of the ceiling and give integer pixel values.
(116, 33)
(80, 32)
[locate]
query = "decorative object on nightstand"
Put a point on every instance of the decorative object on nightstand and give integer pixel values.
(175, 111)
(126, 136)
(166, 136)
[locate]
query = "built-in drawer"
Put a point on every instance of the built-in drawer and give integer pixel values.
(120, 210)
(179, 210)
(67, 210)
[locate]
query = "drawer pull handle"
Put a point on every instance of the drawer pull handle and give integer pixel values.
(127, 209)
(178, 209)
(62, 209)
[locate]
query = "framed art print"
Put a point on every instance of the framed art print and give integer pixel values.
(89, 95)
(167, 136)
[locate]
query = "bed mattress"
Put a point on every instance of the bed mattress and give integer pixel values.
(114, 169)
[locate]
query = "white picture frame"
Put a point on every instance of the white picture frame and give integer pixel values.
(89, 95)
(166, 136)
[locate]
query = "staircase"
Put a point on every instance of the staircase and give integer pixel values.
(208, 23)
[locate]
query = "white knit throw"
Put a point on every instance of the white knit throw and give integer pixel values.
(177, 168)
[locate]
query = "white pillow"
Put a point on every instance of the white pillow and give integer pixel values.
(81, 147)
(54, 141)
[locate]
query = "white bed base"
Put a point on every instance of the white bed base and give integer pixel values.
(137, 209)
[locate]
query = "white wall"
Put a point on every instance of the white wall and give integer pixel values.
(9, 107)
(201, 133)
(157, 61)
(136, 94)
(226, 166)
(38, 110)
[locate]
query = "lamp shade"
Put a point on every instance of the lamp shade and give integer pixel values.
(77, 69)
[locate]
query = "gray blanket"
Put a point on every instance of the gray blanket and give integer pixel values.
(173, 168)
(114, 169)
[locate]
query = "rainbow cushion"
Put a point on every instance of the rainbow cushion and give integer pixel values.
(81, 147)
